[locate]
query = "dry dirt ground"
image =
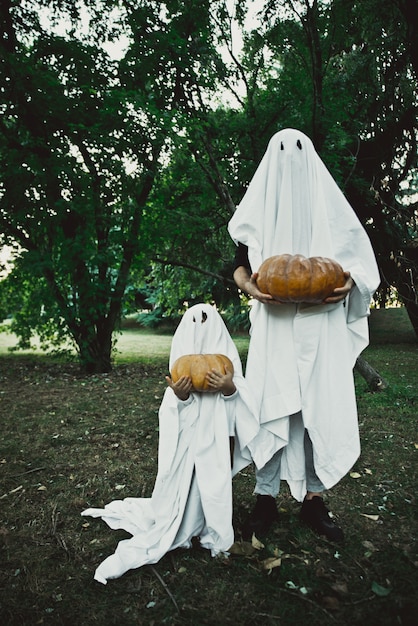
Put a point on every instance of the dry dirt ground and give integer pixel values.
(71, 441)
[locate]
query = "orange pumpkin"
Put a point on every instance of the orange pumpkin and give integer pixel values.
(295, 278)
(196, 366)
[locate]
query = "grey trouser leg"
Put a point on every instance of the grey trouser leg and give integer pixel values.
(268, 477)
(312, 481)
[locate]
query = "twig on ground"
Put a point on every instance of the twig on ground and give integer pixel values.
(268, 615)
(57, 536)
(367, 599)
(164, 584)
(35, 469)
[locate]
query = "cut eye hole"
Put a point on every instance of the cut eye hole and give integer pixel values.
(204, 317)
(299, 145)
(281, 146)
(194, 319)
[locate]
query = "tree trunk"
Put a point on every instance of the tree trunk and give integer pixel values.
(371, 376)
(406, 282)
(95, 358)
(95, 348)
(412, 310)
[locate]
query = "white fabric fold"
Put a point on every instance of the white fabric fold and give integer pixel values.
(301, 356)
(192, 496)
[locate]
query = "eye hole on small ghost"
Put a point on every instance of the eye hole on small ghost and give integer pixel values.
(299, 145)
(204, 317)
(281, 145)
(194, 319)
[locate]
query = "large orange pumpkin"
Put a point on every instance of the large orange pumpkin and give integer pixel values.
(295, 278)
(196, 366)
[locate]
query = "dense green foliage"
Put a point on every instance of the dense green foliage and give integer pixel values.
(118, 175)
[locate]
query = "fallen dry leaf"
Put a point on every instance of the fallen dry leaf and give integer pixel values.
(374, 518)
(355, 475)
(271, 563)
(256, 543)
(242, 548)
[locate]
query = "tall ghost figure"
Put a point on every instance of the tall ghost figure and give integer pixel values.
(301, 356)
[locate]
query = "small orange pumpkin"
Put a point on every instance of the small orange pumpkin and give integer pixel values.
(295, 278)
(196, 366)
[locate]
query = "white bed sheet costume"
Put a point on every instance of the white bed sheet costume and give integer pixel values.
(192, 496)
(301, 357)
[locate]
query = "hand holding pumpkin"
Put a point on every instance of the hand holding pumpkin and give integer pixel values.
(182, 387)
(223, 382)
(264, 298)
(341, 292)
(248, 284)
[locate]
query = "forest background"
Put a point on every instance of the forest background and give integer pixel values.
(130, 130)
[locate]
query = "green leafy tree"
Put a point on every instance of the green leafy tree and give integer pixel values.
(82, 142)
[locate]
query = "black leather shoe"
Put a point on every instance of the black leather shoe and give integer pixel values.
(315, 514)
(261, 518)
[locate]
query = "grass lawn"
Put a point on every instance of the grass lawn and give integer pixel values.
(71, 441)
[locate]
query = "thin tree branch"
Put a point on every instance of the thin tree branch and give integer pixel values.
(230, 281)
(165, 586)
